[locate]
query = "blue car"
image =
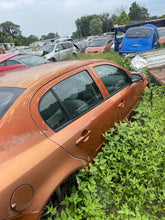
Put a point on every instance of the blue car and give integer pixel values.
(138, 39)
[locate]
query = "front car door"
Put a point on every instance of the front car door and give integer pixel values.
(59, 53)
(124, 94)
(72, 112)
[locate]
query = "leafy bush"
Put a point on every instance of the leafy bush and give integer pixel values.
(113, 56)
(127, 179)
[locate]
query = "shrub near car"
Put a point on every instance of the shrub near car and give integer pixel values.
(52, 118)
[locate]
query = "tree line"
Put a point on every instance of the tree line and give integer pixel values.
(85, 25)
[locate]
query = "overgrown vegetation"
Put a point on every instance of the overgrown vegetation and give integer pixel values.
(127, 179)
(111, 55)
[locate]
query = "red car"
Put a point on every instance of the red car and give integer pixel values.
(161, 35)
(11, 61)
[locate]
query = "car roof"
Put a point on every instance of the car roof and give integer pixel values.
(6, 56)
(24, 78)
(20, 56)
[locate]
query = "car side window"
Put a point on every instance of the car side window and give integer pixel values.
(78, 93)
(113, 78)
(59, 47)
(67, 45)
(2, 64)
(68, 99)
(51, 111)
(11, 62)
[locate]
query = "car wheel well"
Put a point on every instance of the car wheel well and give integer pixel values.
(52, 60)
(58, 195)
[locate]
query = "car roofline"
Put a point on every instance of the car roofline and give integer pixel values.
(24, 78)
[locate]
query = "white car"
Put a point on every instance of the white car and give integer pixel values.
(57, 51)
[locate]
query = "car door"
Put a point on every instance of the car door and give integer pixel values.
(72, 112)
(68, 49)
(59, 52)
(123, 93)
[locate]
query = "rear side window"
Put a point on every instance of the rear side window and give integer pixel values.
(113, 78)
(11, 62)
(7, 97)
(51, 111)
(69, 99)
(67, 45)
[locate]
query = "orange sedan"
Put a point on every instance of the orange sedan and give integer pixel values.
(52, 118)
(99, 45)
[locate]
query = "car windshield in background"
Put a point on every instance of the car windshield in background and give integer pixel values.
(47, 48)
(7, 98)
(139, 33)
(98, 43)
(30, 60)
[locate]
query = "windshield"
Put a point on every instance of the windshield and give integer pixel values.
(139, 33)
(33, 60)
(47, 48)
(7, 98)
(98, 43)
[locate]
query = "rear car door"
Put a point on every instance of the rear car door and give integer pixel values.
(72, 112)
(68, 49)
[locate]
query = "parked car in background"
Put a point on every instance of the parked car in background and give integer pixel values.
(57, 51)
(161, 35)
(99, 45)
(52, 117)
(138, 39)
(81, 46)
(11, 61)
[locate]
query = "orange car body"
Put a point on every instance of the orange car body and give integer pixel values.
(99, 45)
(35, 158)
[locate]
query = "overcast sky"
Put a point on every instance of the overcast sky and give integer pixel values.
(40, 17)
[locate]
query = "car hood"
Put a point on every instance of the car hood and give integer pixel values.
(92, 49)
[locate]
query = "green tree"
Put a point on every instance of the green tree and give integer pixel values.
(82, 25)
(137, 13)
(95, 26)
(122, 19)
(107, 23)
(4, 38)
(10, 29)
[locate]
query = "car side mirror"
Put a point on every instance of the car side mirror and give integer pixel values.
(136, 78)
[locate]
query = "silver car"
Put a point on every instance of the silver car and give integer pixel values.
(57, 51)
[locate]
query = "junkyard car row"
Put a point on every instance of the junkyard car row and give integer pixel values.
(52, 117)
(11, 61)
